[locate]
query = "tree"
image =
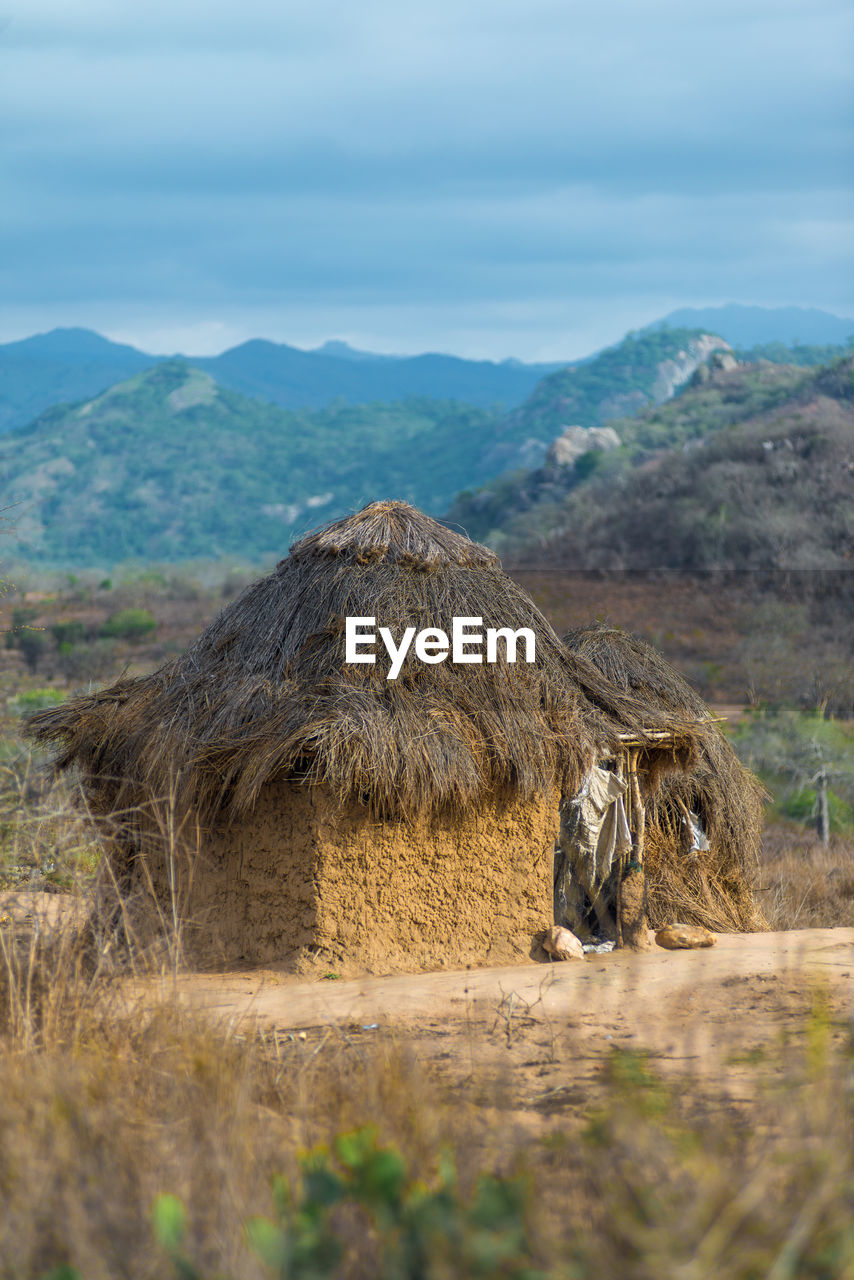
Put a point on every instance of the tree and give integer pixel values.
(129, 624)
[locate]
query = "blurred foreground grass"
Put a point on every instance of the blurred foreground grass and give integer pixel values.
(145, 1141)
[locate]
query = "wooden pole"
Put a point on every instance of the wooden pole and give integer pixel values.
(822, 809)
(633, 927)
(619, 905)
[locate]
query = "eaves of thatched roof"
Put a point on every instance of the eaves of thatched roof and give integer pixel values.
(718, 785)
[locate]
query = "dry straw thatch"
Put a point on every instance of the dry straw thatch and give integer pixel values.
(265, 691)
(714, 888)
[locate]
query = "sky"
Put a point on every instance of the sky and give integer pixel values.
(492, 178)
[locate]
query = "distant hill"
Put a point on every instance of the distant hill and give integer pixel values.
(168, 466)
(749, 468)
(300, 379)
(343, 350)
(644, 369)
(70, 364)
(56, 367)
(751, 326)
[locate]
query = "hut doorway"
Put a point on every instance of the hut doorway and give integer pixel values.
(599, 875)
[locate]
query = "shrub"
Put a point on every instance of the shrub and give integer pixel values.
(32, 644)
(68, 633)
(25, 704)
(129, 624)
(587, 463)
(416, 1230)
(81, 663)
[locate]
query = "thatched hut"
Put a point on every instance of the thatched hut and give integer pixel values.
(289, 806)
(702, 824)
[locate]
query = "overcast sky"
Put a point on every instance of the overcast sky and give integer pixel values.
(486, 177)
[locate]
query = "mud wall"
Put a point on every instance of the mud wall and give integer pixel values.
(308, 886)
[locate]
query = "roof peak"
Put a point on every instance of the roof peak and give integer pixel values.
(398, 532)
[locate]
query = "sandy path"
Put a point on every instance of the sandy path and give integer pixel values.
(541, 1036)
(645, 994)
(601, 982)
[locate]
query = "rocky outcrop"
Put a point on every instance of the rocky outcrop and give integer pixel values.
(718, 362)
(675, 372)
(574, 441)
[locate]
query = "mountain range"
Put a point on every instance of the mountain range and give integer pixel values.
(73, 364)
(169, 464)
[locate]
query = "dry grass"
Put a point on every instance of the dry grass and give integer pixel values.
(46, 839)
(103, 1106)
(802, 884)
(697, 889)
(105, 1103)
(688, 1186)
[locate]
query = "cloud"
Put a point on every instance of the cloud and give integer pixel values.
(525, 152)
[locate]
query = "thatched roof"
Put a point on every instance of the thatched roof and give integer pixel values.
(265, 690)
(728, 794)
(719, 788)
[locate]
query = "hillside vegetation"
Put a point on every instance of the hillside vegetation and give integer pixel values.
(54, 368)
(750, 468)
(642, 370)
(169, 465)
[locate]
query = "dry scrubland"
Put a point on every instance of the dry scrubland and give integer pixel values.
(571, 1159)
(480, 1143)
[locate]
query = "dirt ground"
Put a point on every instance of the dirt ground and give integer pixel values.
(533, 1040)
